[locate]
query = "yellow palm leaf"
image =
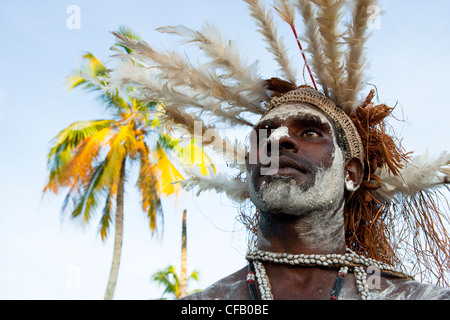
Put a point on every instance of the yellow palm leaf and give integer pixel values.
(194, 156)
(80, 166)
(94, 65)
(123, 144)
(168, 174)
(75, 80)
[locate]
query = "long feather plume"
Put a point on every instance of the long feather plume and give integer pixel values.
(285, 10)
(357, 36)
(268, 29)
(180, 72)
(224, 55)
(315, 44)
(150, 89)
(329, 15)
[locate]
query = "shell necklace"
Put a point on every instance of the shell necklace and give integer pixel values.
(348, 261)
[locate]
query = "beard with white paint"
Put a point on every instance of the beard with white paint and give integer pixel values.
(283, 195)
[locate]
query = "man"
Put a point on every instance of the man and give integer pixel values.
(342, 207)
(301, 207)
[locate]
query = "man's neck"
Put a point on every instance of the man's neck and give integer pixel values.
(314, 233)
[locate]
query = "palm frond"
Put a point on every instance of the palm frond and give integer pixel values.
(106, 218)
(194, 275)
(169, 279)
(72, 136)
(147, 184)
(75, 80)
(167, 173)
(94, 65)
(91, 67)
(73, 149)
(192, 155)
(94, 77)
(122, 145)
(88, 200)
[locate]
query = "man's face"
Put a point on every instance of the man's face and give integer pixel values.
(309, 174)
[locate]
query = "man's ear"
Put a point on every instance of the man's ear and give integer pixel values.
(353, 174)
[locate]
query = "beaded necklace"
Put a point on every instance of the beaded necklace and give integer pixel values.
(348, 261)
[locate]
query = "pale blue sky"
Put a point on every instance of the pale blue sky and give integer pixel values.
(43, 256)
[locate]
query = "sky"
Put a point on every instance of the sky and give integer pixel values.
(46, 255)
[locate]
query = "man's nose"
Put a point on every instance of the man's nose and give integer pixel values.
(288, 143)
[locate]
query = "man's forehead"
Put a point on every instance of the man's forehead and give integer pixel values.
(298, 110)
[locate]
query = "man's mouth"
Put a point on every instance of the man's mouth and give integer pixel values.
(286, 165)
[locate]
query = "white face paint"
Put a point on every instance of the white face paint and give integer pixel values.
(279, 133)
(295, 109)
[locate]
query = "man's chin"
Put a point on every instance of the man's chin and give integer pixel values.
(276, 195)
(286, 181)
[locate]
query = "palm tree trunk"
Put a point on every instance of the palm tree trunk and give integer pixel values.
(118, 237)
(183, 272)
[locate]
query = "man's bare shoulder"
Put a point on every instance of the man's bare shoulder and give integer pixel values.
(401, 289)
(232, 287)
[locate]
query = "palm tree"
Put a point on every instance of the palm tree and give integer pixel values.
(174, 284)
(170, 280)
(90, 159)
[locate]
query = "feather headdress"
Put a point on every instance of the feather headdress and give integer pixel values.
(225, 89)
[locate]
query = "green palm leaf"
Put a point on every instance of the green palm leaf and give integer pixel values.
(106, 219)
(167, 278)
(148, 186)
(89, 199)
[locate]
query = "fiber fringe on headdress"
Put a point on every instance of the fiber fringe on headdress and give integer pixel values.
(399, 214)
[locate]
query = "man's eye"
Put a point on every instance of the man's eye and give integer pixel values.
(310, 134)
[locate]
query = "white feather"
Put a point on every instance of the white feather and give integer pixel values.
(422, 174)
(235, 189)
(225, 55)
(285, 10)
(151, 89)
(315, 44)
(329, 17)
(267, 27)
(203, 80)
(355, 60)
